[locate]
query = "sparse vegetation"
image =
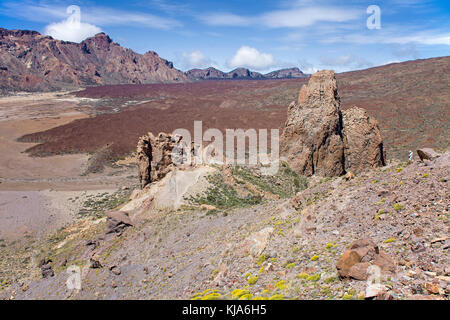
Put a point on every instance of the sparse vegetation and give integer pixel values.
(224, 196)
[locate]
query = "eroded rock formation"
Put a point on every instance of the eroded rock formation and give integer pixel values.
(154, 156)
(362, 140)
(157, 156)
(320, 139)
(312, 138)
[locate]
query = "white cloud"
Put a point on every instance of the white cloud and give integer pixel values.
(98, 15)
(106, 16)
(308, 16)
(72, 29)
(225, 19)
(195, 59)
(307, 67)
(65, 30)
(251, 58)
(350, 60)
(290, 18)
(429, 37)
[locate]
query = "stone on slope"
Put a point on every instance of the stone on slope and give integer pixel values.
(312, 140)
(427, 154)
(356, 262)
(255, 243)
(362, 141)
(119, 216)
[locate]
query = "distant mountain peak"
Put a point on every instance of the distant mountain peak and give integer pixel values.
(243, 74)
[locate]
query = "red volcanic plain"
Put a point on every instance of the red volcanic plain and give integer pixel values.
(410, 100)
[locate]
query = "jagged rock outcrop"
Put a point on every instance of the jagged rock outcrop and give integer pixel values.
(30, 61)
(312, 140)
(363, 143)
(320, 139)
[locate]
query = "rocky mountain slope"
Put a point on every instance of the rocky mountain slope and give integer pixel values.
(243, 74)
(286, 74)
(229, 232)
(30, 61)
(249, 238)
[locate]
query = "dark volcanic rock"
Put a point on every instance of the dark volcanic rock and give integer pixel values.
(243, 73)
(427, 154)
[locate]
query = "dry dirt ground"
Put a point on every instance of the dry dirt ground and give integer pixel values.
(34, 190)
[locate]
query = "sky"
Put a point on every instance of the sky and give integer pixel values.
(261, 35)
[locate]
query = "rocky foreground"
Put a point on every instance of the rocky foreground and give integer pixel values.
(291, 248)
(227, 232)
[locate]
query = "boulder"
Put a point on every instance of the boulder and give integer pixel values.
(47, 271)
(363, 144)
(255, 243)
(311, 139)
(427, 154)
(349, 176)
(119, 216)
(348, 259)
(356, 261)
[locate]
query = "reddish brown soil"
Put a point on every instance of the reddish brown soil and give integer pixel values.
(411, 101)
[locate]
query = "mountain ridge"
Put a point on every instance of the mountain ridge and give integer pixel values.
(212, 73)
(30, 61)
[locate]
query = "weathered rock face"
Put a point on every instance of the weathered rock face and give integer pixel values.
(312, 138)
(320, 139)
(362, 141)
(154, 156)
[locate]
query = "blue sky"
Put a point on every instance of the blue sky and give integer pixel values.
(261, 35)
